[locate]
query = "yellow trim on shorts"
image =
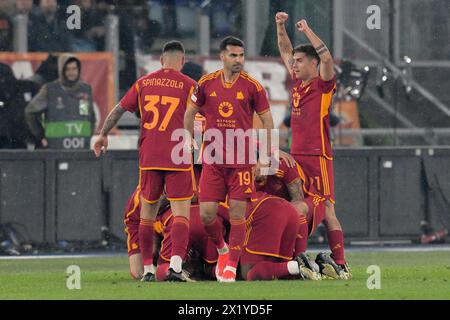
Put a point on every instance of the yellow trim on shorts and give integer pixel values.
(163, 169)
(149, 201)
(268, 254)
(180, 199)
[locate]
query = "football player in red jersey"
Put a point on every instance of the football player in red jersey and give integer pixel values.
(312, 68)
(161, 98)
(228, 98)
(272, 229)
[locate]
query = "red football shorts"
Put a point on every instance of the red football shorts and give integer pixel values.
(217, 182)
(271, 231)
(178, 185)
(316, 213)
(319, 177)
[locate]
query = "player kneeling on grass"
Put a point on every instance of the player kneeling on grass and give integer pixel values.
(289, 183)
(272, 228)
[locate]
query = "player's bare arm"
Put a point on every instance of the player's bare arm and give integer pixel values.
(267, 124)
(189, 118)
(295, 189)
(326, 59)
(101, 144)
(284, 44)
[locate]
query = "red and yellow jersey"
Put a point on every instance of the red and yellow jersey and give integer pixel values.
(277, 184)
(310, 121)
(229, 106)
(162, 98)
(253, 205)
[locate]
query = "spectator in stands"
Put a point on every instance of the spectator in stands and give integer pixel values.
(146, 30)
(28, 9)
(14, 95)
(25, 7)
(169, 12)
(67, 105)
(6, 26)
(127, 73)
(6, 6)
(91, 37)
(49, 32)
(226, 18)
(46, 72)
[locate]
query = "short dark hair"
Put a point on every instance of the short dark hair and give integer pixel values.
(172, 46)
(230, 41)
(308, 50)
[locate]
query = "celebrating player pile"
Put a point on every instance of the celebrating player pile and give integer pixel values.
(262, 230)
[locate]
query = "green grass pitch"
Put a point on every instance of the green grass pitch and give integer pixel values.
(404, 275)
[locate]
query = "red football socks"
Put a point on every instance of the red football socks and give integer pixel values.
(214, 232)
(237, 237)
(336, 243)
(180, 236)
(266, 270)
(301, 241)
(146, 240)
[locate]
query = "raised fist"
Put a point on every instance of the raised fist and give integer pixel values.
(302, 25)
(281, 17)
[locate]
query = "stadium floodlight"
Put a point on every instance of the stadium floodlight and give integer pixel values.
(407, 72)
(351, 80)
(382, 81)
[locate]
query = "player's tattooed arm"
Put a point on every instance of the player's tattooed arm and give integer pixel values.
(101, 144)
(284, 43)
(295, 190)
(112, 119)
(326, 59)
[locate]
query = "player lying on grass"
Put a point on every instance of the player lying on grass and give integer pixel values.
(290, 184)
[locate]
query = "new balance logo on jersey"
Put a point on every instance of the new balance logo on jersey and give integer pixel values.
(213, 94)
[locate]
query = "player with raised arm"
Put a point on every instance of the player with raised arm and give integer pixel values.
(227, 98)
(161, 98)
(312, 68)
